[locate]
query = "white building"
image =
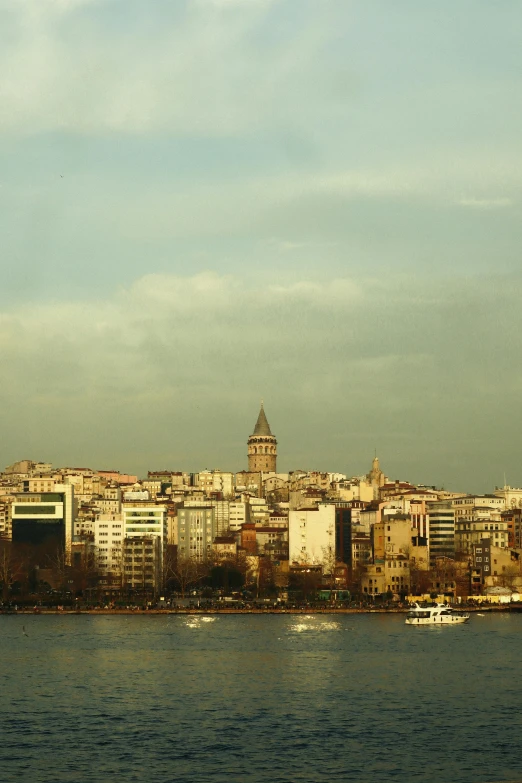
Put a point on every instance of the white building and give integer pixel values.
(108, 542)
(238, 514)
(145, 520)
(311, 533)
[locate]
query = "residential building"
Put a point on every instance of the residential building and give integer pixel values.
(494, 565)
(225, 547)
(513, 520)
(239, 514)
(311, 533)
(142, 563)
(196, 531)
(145, 519)
(108, 543)
(469, 533)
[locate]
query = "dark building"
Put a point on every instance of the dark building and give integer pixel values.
(343, 535)
(43, 522)
(346, 515)
(481, 564)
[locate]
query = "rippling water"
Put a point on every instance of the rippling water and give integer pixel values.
(260, 698)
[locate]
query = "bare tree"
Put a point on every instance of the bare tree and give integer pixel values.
(11, 567)
(183, 571)
(510, 577)
(329, 562)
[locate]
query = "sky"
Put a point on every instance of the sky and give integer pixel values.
(317, 203)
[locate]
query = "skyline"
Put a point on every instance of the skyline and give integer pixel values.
(216, 201)
(246, 467)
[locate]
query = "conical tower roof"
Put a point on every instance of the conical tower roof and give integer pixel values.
(262, 426)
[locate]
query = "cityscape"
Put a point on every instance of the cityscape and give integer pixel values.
(78, 536)
(260, 382)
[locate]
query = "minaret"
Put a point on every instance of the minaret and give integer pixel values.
(262, 447)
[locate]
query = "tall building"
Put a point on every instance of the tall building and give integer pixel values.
(196, 531)
(142, 558)
(441, 529)
(45, 520)
(262, 447)
(311, 534)
(145, 519)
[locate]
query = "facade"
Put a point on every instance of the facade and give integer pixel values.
(343, 534)
(441, 516)
(513, 521)
(272, 541)
(142, 563)
(238, 515)
(108, 542)
(512, 496)
(196, 531)
(145, 520)
(361, 549)
(45, 519)
(311, 535)
(497, 565)
(469, 533)
(225, 547)
(262, 447)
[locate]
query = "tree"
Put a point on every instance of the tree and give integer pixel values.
(226, 576)
(11, 567)
(181, 572)
(510, 577)
(329, 562)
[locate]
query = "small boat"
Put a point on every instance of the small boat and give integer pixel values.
(438, 614)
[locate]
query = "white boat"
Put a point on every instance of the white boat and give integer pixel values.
(438, 614)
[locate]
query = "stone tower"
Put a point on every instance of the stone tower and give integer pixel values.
(262, 447)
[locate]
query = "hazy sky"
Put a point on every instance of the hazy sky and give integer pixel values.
(316, 202)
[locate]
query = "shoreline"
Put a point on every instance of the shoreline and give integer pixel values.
(147, 612)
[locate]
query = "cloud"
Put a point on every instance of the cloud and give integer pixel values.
(175, 363)
(194, 68)
(486, 203)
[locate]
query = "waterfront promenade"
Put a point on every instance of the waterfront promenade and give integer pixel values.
(138, 610)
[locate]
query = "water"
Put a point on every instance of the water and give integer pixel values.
(259, 698)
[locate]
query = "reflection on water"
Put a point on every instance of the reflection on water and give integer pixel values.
(314, 624)
(263, 698)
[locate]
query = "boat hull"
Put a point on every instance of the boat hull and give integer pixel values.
(453, 620)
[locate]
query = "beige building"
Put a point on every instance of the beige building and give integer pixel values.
(225, 547)
(511, 496)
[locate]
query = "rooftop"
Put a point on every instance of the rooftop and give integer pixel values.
(262, 426)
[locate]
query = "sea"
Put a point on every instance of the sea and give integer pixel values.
(259, 698)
